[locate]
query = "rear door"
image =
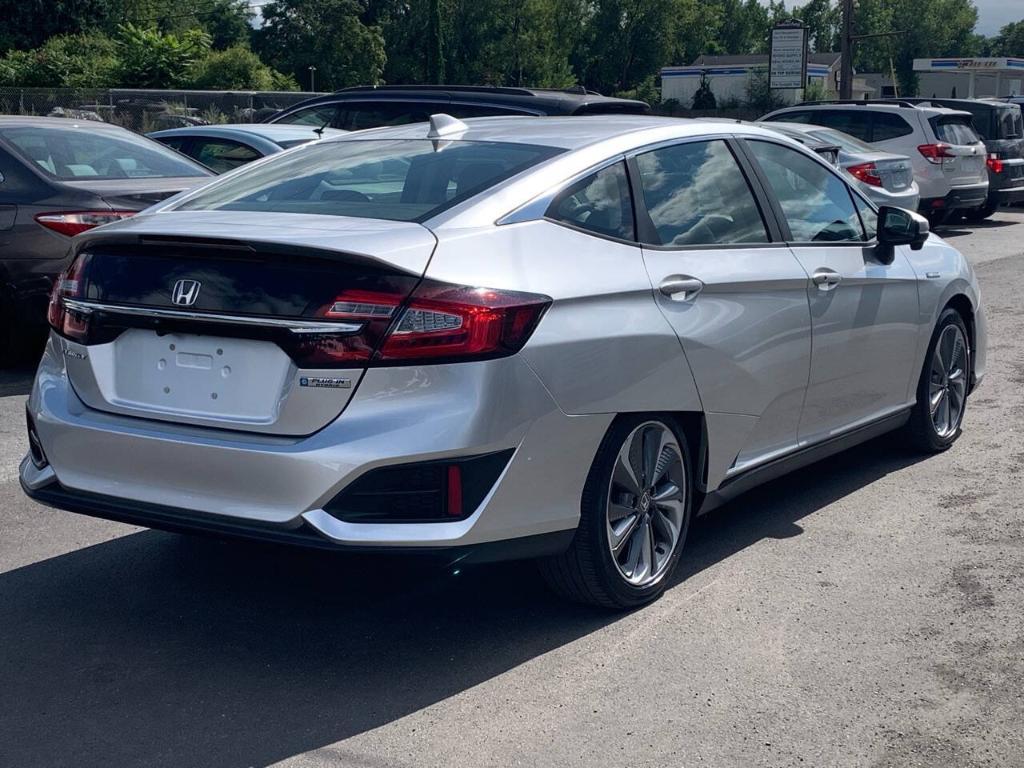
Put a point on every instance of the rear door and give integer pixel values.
(864, 313)
(734, 294)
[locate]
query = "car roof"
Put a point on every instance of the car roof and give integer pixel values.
(885, 106)
(567, 132)
(27, 121)
(549, 100)
(272, 132)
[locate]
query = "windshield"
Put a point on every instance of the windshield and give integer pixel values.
(844, 141)
(399, 180)
(78, 154)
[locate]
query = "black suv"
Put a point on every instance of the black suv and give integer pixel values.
(353, 109)
(1000, 125)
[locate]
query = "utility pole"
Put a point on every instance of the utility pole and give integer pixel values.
(846, 52)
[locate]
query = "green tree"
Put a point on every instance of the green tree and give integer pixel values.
(822, 19)
(1009, 41)
(327, 34)
(704, 97)
(236, 68)
(29, 24)
(151, 59)
(72, 61)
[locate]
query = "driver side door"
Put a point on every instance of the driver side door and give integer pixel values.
(864, 312)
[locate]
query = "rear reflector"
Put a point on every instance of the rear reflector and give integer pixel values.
(994, 163)
(73, 223)
(866, 172)
(421, 492)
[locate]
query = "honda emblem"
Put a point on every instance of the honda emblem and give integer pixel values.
(186, 292)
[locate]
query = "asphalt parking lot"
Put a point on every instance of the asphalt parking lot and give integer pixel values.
(868, 611)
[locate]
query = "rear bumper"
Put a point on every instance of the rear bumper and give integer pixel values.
(955, 199)
(198, 478)
(908, 198)
(1009, 195)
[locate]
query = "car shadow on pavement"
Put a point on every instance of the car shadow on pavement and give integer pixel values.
(17, 380)
(156, 649)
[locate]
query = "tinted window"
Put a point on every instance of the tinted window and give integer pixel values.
(355, 116)
(855, 123)
(400, 180)
(320, 115)
(221, 155)
(599, 203)
(888, 126)
(790, 117)
(462, 111)
(815, 202)
(954, 130)
(1009, 123)
(696, 194)
(79, 153)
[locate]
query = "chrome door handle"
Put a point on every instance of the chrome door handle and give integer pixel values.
(681, 287)
(826, 279)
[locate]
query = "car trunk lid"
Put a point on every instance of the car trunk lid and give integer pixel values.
(137, 194)
(235, 324)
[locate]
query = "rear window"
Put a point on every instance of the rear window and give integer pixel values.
(398, 180)
(1009, 123)
(78, 154)
(886, 126)
(954, 130)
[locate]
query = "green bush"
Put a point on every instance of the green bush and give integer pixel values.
(236, 68)
(151, 59)
(71, 61)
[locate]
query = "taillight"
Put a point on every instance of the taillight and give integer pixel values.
(439, 322)
(936, 153)
(866, 172)
(994, 163)
(452, 322)
(69, 285)
(72, 223)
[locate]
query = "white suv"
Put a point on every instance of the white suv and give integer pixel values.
(947, 155)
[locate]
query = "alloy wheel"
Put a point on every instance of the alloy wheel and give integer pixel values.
(947, 392)
(646, 503)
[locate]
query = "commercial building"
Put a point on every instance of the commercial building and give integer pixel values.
(969, 78)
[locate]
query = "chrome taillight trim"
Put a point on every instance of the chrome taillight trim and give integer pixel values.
(294, 326)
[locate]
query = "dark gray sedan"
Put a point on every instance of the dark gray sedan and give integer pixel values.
(223, 148)
(60, 177)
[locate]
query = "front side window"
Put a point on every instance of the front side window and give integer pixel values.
(696, 194)
(394, 179)
(72, 154)
(868, 216)
(222, 155)
(600, 203)
(815, 202)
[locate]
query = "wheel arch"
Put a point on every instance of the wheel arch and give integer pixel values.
(961, 303)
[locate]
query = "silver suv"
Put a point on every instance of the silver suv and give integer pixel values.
(555, 337)
(948, 157)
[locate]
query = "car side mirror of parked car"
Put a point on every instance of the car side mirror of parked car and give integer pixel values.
(898, 226)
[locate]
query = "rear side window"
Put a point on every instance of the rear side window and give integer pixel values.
(815, 202)
(696, 194)
(854, 122)
(954, 130)
(600, 203)
(222, 155)
(355, 116)
(790, 117)
(886, 126)
(399, 180)
(318, 116)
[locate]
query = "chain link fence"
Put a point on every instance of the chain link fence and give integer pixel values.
(148, 110)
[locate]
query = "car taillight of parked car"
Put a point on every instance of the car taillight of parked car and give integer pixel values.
(866, 172)
(440, 322)
(70, 324)
(73, 223)
(936, 153)
(994, 163)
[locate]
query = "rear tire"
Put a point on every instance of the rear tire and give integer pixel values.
(943, 386)
(976, 215)
(634, 516)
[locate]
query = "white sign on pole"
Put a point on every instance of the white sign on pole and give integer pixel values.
(787, 60)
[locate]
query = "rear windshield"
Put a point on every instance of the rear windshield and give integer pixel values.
(399, 180)
(1009, 123)
(78, 154)
(954, 130)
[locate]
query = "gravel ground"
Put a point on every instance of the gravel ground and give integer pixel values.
(868, 611)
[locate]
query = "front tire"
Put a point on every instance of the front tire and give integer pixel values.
(634, 516)
(942, 387)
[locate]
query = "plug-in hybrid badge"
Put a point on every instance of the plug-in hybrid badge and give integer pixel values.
(325, 382)
(186, 292)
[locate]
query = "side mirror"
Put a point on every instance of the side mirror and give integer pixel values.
(897, 226)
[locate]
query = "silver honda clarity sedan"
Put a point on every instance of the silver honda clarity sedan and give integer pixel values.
(558, 338)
